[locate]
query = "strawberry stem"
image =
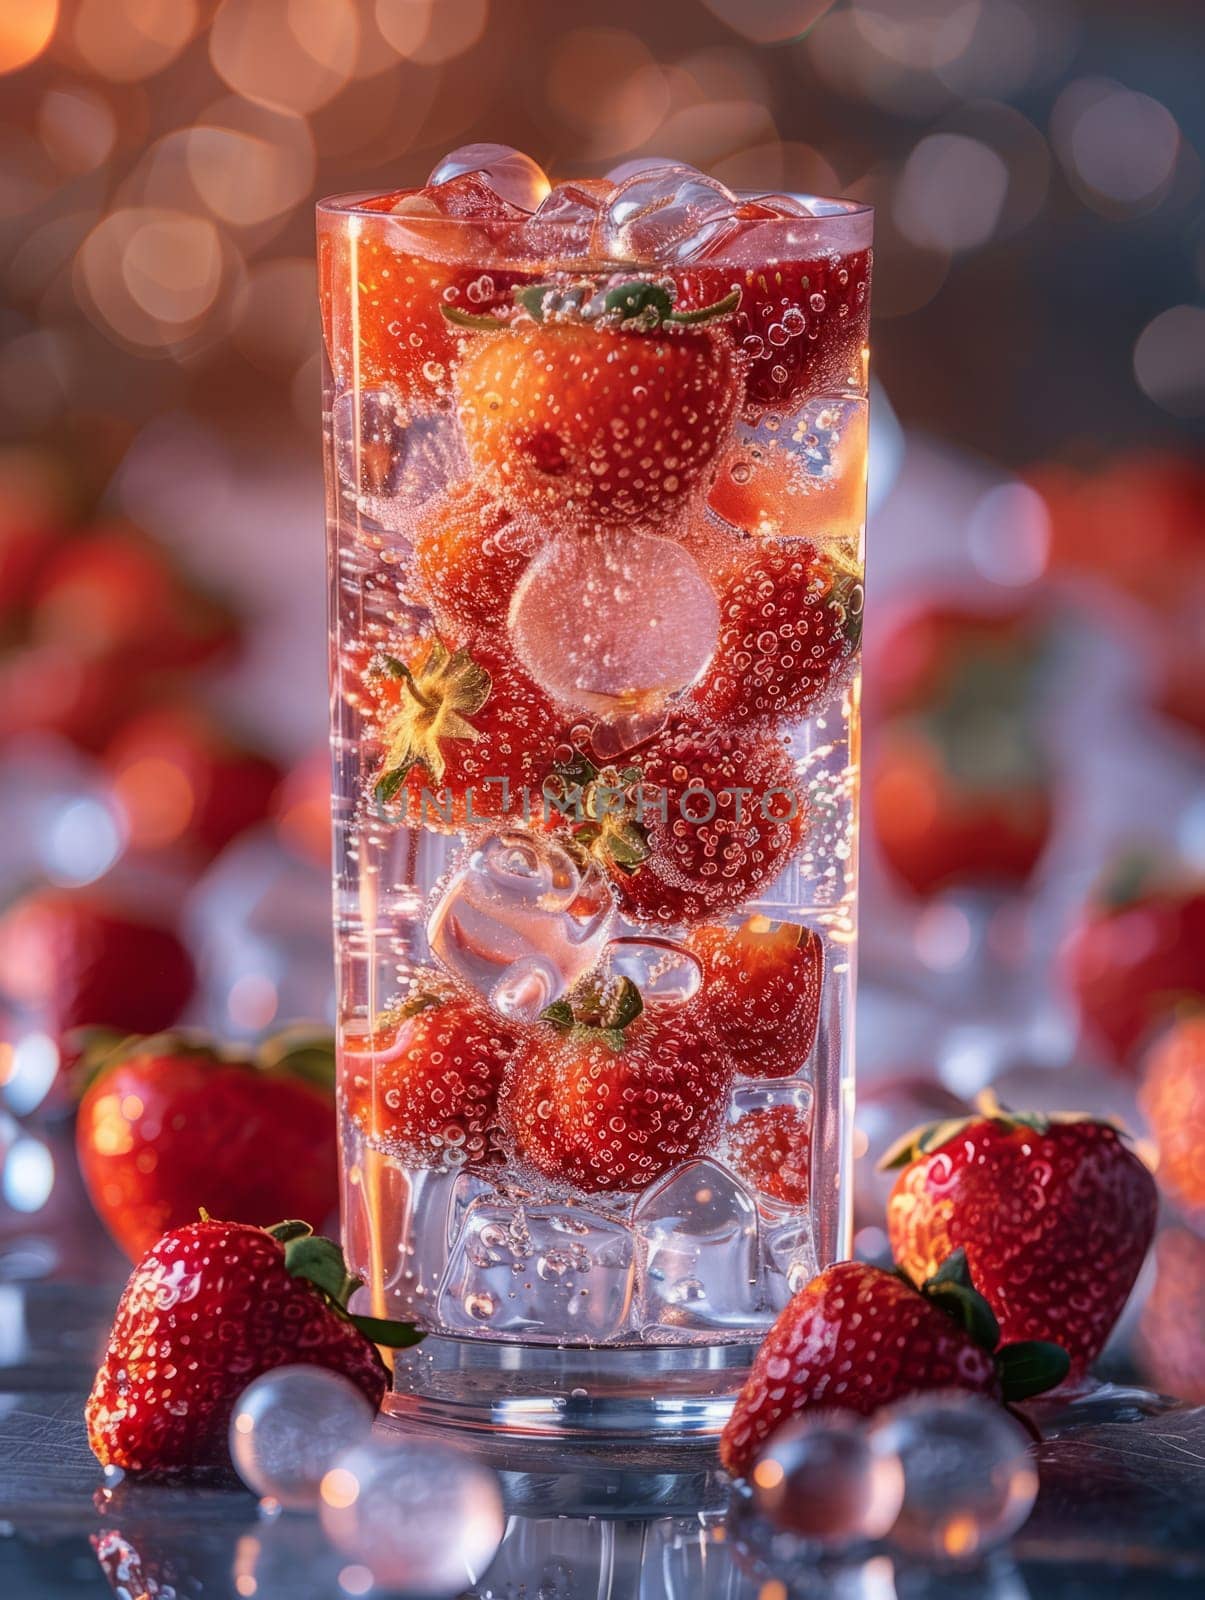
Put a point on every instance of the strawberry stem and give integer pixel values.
(721, 308)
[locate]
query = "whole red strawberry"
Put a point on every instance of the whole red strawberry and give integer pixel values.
(857, 1338)
(72, 958)
(183, 780)
(1135, 957)
(606, 1094)
(1055, 1215)
(801, 325)
(790, 618)
(703, 822)
(170, 1123)
(461, 733)
(424, 1085)
(212, 1306)
(598, 414)
(761, 987)
(770, 1147)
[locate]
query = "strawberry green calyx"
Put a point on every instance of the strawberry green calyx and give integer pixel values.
(320, 1262)
(1026, 1367)
(439, 698)
(598, 1009)
(609, 829)
(636, 306)
(302, 1051)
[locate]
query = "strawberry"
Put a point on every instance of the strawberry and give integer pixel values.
(182, 780)
(470, 555)
(761, 987)
(1135, 956)
(461, 732)
(770, 1147)
(857, 1338)
(210, 1307)
(381, 306)
(1173, 1100)
(942, 816)
(604, 1094)
(789, 620)
(596, 413)
(801, 325)
(1170, 1343)
(706, 821)
(303, 808)
(1055, 1216)
(171, 1122)
(424, 1083)
(74, 958)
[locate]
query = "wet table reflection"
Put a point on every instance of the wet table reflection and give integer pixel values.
(1121, 1509)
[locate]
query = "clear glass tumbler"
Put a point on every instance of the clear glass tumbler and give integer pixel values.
(596, 509)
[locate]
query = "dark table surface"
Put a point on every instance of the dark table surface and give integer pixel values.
(1121, 1509)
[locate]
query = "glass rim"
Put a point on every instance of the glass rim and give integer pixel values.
(354, 202)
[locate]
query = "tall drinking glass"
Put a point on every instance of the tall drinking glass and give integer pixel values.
(595, 500)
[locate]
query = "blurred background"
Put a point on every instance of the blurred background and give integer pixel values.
(1034, 856)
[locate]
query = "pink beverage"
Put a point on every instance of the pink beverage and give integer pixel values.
(596, 470)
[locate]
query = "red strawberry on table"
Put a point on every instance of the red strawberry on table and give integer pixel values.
(210, 1307)
(790, 618)
(1055, 1216)
(73, 958)
(702, 822)
(466, 725)
(605, 1094)
(596, 414)
(857, 1338)
(770, 1147)
(424, 1084)
(1136, 957)
(761, 986)
(171, 1123)
(801, 325)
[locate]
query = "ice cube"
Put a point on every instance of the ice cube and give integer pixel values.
(697, 1249)
(789, 1253)
(614, 622)
(513, 176)
(521, 922)
(543, 1271)
(665, 973)
(566, 217)
(635, 166)
(385, 455)
(665, 214)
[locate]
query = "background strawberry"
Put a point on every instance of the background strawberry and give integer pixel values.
(1173, 1100)
(770, 1147)
(212, 1306)
(605, 1094)
(761, 988)
(789, 619)
(857, 1338)
(1135, 956)
(1055, 1215)
(425, 1083)
(74, 957)
(801, 325)
(588, 425)
(170, 1124)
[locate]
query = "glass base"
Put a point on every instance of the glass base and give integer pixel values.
(664, 1395)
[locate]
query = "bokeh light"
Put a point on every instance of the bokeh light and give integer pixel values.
(248, 162)
(294, 55)
(1117, 146)
(26, 29)
(951, 193)
(1169, 360)
(125, 40)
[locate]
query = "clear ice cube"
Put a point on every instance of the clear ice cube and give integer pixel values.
(665, 973)
(544, 1271)
(789, 1253)
(613, 623)
(384, 455)
(665, 214)
(512, 176)
(697, 1249)
(520, 922)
